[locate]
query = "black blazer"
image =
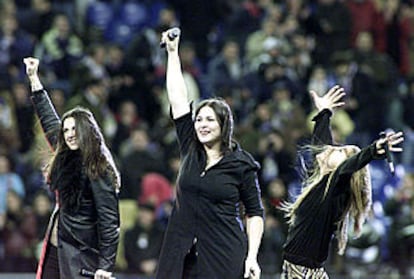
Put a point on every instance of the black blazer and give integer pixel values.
(87, 237)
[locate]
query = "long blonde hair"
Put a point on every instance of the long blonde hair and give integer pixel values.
(359, 204)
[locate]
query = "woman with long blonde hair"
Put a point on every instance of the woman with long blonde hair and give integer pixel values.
(337, 191)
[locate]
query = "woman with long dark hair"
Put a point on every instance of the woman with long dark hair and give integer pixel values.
(84, 228)
(336, 192)
(206, 237)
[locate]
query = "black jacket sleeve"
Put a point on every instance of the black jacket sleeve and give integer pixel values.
(322, 131)
(359, 160)
(185, 132)
(106, 202)
(47, 115)
(250, 192)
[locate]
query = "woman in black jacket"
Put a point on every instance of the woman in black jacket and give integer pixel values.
(84, 228)
(206, 237)
(337, 188)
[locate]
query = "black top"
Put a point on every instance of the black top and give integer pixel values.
(88, 235)
(207, 210)
(316, 218)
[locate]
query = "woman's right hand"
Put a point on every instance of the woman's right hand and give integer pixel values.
(171, 45)
(32, 66)
(331, 100)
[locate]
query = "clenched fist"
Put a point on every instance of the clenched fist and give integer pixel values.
(32, 66)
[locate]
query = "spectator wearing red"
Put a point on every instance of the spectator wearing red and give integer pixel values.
(155, 189)
(366, 17)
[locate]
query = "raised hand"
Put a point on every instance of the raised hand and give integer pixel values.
(392, 139)
(102, 274)
(171, 45)
(32, 66)
(331, 100)
(252, 269)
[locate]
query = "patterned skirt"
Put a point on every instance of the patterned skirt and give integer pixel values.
(293, 271)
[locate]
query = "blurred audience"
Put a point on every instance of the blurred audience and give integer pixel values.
(142, 242)
(262, 56)
(400, 207)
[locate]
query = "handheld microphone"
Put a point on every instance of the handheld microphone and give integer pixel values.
(89, 274)
(388, 154)
(172, 34)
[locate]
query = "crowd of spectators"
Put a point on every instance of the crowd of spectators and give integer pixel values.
(261, 56)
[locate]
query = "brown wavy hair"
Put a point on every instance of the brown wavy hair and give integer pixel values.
(96, 156)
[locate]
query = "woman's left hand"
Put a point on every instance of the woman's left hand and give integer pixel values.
(102, 274)
(251, 269)
(391, 139)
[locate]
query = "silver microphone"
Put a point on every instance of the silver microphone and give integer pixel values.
(90, 274)
(389, 157)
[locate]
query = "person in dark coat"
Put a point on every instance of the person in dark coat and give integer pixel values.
(142, 242)
(330, 24)
(337, 189)
(83, 231)
(206, 237)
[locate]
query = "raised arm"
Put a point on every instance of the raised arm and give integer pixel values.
(325, 106)
(44, 108)
(32, 68)
(375, 151)
(176, 88)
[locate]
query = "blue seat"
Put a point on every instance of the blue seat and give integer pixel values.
(119, 32)
(153, 12)
(99, 15)
(133, 14)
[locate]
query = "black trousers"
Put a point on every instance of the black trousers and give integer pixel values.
(51, 264)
